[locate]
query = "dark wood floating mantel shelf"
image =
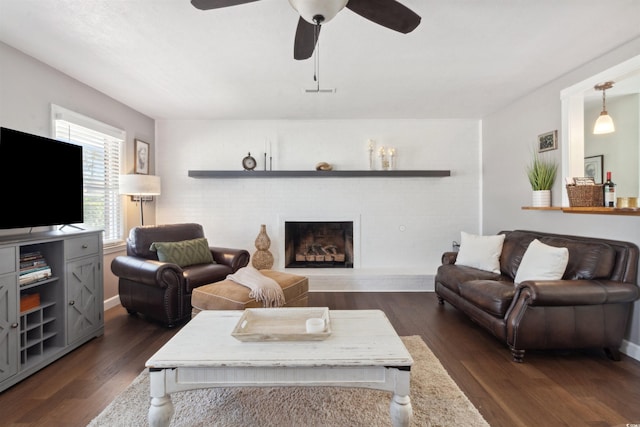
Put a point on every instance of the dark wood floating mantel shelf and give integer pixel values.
(320, 174)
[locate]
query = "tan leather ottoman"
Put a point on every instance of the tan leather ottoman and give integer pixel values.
(229, 295)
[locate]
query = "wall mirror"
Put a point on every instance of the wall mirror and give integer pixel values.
(620, 151)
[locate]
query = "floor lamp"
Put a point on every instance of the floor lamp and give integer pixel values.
(138, 187)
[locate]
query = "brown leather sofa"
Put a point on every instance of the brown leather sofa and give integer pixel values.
(161, 291)
(588, 308)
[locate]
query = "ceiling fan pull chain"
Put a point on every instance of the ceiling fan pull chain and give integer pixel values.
(315, 68)
(316, 61)
(317, 57)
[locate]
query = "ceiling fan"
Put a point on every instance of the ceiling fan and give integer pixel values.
(314, 13)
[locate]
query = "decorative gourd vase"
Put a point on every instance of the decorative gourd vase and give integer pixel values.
(541, 198)
(262, 259)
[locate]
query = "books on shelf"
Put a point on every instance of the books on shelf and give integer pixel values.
(34, 276)
(33, 267)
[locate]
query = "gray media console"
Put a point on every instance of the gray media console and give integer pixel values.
(51, 298)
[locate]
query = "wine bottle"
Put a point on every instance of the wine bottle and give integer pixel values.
(609, 192)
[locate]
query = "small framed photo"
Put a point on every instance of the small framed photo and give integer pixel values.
(548, 141)
(593, 168)
(141, 157)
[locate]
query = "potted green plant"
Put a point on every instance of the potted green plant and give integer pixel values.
(542, 174)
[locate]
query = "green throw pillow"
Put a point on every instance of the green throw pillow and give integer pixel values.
(184, 253)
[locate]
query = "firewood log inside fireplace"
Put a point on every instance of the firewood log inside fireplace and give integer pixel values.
(315, 252)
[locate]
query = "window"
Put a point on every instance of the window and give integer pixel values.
(102, 153)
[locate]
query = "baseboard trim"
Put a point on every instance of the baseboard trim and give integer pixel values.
(630, 349)
(111, 302)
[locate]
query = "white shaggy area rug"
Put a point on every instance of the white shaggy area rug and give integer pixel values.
(435, 398)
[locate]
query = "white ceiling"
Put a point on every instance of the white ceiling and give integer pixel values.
(169, 60)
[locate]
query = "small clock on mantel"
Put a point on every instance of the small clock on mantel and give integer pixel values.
(249, 163)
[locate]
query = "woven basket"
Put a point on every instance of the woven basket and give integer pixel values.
(585, 195)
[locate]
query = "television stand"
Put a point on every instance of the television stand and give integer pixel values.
(54, 308)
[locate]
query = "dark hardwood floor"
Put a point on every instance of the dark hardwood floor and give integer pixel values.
(581, 388)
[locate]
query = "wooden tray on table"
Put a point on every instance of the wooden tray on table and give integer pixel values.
(281, 324)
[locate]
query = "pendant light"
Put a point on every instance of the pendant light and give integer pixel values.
(604, 124)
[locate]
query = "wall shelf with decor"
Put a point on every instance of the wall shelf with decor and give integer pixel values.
(589, 210)
(320, 174)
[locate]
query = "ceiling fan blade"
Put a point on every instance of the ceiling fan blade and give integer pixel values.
(217, 4)
(306, 37)
(388, 13)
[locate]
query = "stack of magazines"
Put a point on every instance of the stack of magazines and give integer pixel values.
(33, 267)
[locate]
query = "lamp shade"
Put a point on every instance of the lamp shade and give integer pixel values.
(139, 185)
(604, 124)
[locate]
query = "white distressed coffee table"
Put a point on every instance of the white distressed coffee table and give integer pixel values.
(363, 351)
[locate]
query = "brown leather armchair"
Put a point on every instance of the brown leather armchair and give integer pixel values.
(161, 291)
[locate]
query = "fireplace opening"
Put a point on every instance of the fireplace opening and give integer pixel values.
(318, 244)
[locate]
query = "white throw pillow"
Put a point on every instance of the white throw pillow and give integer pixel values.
(542, 262)
(482, 252)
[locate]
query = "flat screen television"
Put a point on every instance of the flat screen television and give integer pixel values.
(40, 181)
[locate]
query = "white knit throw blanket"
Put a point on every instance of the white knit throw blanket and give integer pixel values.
(263, 288)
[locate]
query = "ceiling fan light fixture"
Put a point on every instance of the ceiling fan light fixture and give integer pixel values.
(604, 124)
(309, 10)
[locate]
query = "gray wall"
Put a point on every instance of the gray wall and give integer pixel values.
(27, 90)
(508, 137)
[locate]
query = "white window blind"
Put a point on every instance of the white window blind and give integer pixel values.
(102, 155)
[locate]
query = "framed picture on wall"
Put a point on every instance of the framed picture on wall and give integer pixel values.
(548, 141)
(141, 157)
(593, 168)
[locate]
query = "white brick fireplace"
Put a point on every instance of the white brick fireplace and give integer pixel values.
(401, 225)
